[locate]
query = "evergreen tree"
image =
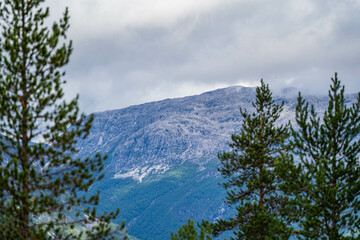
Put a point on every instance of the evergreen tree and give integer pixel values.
(40, 184)
(253, 185)
(329, 149)
(189, 232)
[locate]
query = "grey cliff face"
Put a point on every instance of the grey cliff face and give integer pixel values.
(154, 137)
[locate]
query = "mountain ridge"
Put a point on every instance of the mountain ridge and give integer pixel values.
(162, 164)
(198, 119)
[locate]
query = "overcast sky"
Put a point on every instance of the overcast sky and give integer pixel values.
(129, 52)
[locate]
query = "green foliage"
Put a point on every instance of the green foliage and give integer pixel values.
(259, 153)
(329, 148)
(155, 202)
(189, 232)
(41, 183)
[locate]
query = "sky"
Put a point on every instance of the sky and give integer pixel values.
(129, 52)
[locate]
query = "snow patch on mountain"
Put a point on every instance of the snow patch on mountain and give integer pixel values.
(100, 140)
(138, 173)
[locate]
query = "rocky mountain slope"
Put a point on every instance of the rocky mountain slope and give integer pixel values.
(162, 156)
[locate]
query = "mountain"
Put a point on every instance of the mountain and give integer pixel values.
(162, 156)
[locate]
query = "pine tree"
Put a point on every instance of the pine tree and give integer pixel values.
(250, 169)
(189, 232)
(42, 183)
(329, 149)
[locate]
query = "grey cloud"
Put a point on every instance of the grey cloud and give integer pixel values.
(288, 43)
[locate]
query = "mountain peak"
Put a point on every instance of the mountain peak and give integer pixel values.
(162, 155)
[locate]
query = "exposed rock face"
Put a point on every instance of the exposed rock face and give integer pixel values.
(161, 155)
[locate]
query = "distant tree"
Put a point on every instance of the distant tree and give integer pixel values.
(189, 232)
(259, 152)
(329, 149)
(40, 184)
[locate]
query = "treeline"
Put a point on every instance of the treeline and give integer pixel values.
(276, 197)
